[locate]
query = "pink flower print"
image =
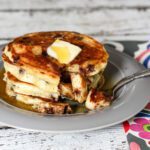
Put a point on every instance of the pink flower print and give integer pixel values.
(142, 126)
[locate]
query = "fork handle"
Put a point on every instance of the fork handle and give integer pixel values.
(130, 78)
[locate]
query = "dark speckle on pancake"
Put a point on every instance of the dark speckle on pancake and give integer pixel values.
(77, 92)
(90, 68)
(44, 53)
(79, 38)
(16, 58)
(91, 49)
(21, 71)
(32, 66)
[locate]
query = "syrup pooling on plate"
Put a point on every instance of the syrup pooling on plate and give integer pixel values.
(8, 99)
(12, 101)
(77, 108)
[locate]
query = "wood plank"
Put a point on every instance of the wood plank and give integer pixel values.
(71, 4)
(107, 38)
(100, 139)
(101, 23)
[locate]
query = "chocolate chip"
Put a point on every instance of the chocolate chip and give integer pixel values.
(65, 77)
(25, 38)
(82, 71)
(42, 72)
(77, 92)
(46, 82)
(21, 71)
(13, 85)
(79, 38)
(49, 110)
(16, 58)
(90, 68)
(58, 36)
(44, 53)
(11, 88)
(82, 46)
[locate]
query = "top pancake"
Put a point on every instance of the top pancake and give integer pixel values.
(31, 49)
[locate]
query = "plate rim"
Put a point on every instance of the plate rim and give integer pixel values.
(89, 129)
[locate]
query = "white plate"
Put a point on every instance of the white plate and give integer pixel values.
(133, 98)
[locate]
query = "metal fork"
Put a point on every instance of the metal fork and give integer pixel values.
(113, 91)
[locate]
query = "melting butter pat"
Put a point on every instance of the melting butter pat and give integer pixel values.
(63, 51)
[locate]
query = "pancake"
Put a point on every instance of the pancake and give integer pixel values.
(34, 66)
(79, 86)
(23, 74)
(30, 48)
(40, 105)
(97, 99)
(32, 72)
(27, 88)
(66, 90)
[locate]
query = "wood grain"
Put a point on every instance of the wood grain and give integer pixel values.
(96, 140)
(102, 19)
(101, 23)
(72, 4)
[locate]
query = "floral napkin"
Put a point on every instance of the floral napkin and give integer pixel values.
(137, 129)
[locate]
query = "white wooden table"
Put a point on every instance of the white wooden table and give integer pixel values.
(102, 19)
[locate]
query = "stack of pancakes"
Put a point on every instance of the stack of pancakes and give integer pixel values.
(36, 79)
